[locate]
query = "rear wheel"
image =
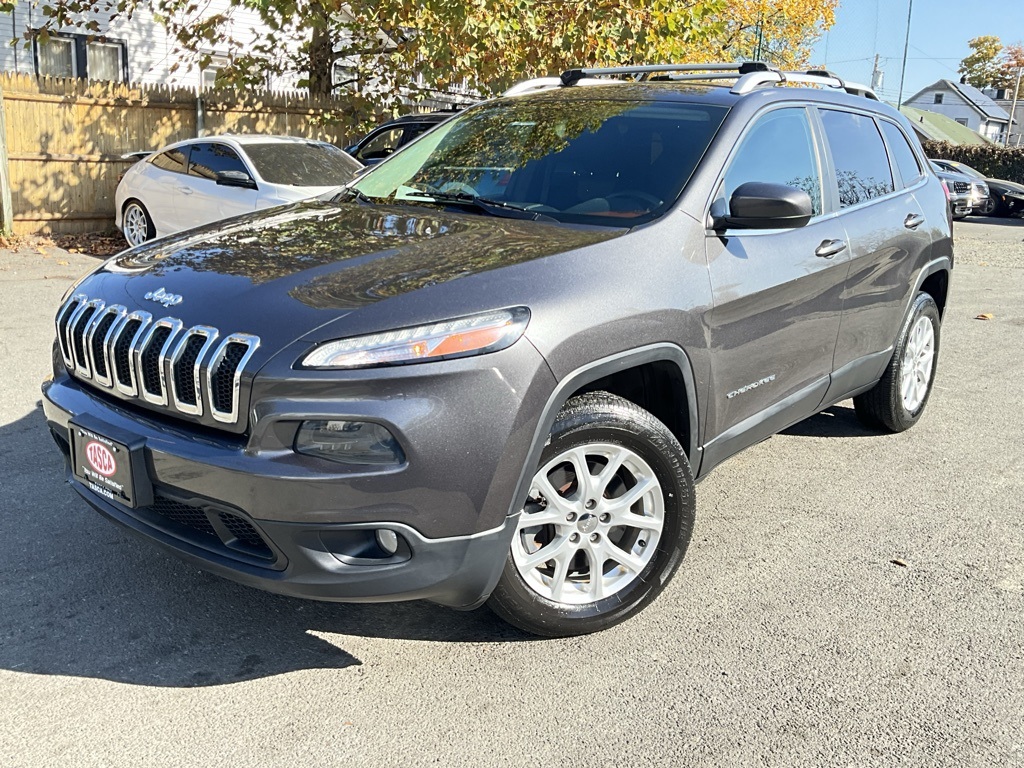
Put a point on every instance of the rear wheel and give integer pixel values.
(606, 523)
(136, 225)
(897, 401)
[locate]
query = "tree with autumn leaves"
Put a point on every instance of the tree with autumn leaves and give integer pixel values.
(388, 50)
(990, 64)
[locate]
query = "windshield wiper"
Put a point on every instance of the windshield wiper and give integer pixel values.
(492, 207)
(360, 196)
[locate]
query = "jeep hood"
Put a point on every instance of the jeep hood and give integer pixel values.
(282, 273)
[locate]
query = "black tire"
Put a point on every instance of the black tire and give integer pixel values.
(599, 418)
(990, 206)
(150, 230)
(999, 208)
(884, 406)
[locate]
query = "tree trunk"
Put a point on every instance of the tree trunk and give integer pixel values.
(321, 52)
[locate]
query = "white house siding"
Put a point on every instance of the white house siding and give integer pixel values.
(150, 51)
(953, 106)
(1017, 131)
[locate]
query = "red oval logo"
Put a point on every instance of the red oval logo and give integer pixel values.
(101, 459)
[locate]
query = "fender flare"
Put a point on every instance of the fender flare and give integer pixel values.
(941, 264)
(593, 371)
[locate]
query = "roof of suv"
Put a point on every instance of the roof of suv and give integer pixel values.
(718, 83)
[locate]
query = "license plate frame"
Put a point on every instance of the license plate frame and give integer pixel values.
(109, 462)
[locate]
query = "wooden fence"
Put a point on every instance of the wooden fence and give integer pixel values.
(65, 138)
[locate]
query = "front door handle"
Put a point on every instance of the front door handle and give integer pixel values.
(185, 190)
(913, 221)
(830, 248)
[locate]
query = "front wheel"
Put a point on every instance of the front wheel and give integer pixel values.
(897, 401)
(136, 225)
(607, 521)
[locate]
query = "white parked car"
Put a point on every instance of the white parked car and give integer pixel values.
(198, 181)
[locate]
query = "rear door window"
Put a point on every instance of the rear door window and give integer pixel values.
(902, 155)
(858, 154)
(209, 159)
(779, 149)
(172, 159)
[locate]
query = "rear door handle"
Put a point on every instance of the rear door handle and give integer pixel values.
(830, 248)
(913, 221)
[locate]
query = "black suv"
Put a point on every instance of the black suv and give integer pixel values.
(491, 368)
(388, 138)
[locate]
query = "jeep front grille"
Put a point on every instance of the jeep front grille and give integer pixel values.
(156, 360)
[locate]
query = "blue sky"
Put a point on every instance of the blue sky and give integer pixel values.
(939, 32)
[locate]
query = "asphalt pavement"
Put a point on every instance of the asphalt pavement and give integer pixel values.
(849, 599)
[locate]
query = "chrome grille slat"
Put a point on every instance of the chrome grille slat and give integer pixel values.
(100, 358)
(209, 336)
(244, 339)
(78, 331)
(67, 312)
(138, 356)
(131, 388)
(142, 356)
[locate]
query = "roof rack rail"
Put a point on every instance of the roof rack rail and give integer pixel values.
(754, 80)
(749, 75)
(572, 76)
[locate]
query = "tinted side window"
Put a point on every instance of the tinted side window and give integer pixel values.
(902, 154)
(381, 145)
(779, 149)
(210, 159)
(172, 160)
(862, 166)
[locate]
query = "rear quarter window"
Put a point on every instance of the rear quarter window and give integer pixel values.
(172, 159)
(902, 155)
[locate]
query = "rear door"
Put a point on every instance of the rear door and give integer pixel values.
(203, 199)
(875, 172)
(157, 188)
(777, 293)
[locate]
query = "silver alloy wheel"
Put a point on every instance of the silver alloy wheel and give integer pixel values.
(135, 225)
(918, 360)
(591, 525)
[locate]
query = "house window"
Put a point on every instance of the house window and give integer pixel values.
(961, 120)
(938, 98)
(105, 61)
(56, 57)
(345, 74)
(82, 56)
(208, 74)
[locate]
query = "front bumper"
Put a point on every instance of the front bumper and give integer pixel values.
(245, 508)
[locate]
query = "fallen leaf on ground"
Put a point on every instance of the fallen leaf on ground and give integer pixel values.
(984, 316)
(900, 563)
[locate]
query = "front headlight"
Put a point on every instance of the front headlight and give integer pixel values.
(473, 335)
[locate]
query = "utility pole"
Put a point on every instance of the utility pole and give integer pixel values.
(906, 47)
(877, 77)
(1013, 108)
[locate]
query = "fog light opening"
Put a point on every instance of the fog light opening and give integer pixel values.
(387, 540)
(359, 443)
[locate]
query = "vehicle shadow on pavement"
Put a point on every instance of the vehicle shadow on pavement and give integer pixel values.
(836, 421)
(83, 598)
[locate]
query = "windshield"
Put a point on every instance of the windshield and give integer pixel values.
(967, 170)
(309, 164)
(616, 163)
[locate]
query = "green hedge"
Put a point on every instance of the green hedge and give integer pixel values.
(994, 161)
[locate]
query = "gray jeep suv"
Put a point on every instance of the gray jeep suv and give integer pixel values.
(491, 369)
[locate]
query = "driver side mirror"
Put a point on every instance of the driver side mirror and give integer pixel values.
(235, 179)
(761, 205)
